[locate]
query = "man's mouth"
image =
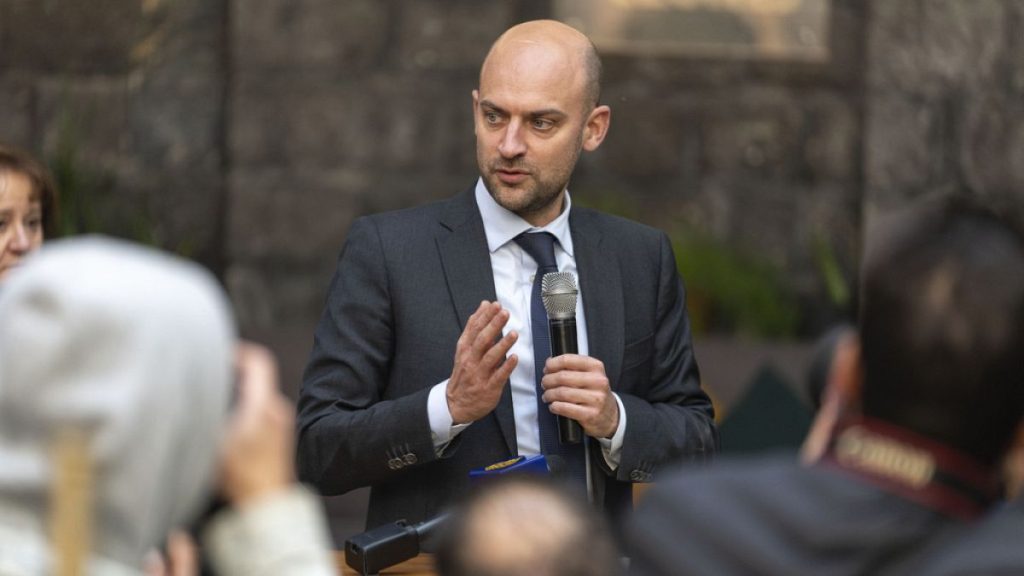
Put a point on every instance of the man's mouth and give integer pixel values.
(511, 175)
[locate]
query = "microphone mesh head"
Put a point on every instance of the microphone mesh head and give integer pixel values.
(558, 291)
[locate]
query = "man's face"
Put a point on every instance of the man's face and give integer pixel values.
(529, 117)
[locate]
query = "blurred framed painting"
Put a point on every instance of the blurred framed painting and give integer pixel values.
(743, 29)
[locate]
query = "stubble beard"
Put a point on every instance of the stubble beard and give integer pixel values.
(534, 195)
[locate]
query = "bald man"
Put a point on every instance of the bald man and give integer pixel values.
(526, 526)
(424, 364)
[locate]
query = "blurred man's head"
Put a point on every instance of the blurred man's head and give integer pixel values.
(942, 326)
(523, 526)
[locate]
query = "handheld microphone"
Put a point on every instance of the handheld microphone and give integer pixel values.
(558, 291)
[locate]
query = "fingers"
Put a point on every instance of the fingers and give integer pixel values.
(477, 342)
(574, 362)
(575, 371)
(181, 550)
(473, 324)
(492, 319)
(502, 374)
(257, 452)
(583, 389)
(480, 368)
(182, 557)
(257, 373)
(577, 387)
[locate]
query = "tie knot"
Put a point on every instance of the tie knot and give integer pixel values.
(540, 246)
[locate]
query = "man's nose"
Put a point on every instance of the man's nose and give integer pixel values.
(512, 144)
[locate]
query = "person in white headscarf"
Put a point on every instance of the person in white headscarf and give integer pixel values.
(134, 352)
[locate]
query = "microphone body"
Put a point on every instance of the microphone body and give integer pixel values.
(558, 290)
(563, 341)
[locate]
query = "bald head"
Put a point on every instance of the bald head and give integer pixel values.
(561, 48)
(527, 526)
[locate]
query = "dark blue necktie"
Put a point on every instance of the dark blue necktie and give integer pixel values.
(541, 247)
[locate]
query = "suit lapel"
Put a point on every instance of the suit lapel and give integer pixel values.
(601, 290)
(462, 246)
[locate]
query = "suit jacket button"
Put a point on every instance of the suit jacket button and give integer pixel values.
(636, 476)
(394, 463)
(410, 458)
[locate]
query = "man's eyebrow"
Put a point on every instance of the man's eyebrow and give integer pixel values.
(491, 105)
(547, 112)
(533, 114)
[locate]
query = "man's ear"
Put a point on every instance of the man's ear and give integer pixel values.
(476, 104)
(840, 398)
(596, 127)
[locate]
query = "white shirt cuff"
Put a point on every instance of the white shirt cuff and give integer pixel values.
(442, 430)
(612, 447)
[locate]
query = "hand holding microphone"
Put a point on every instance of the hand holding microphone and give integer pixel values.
(576, 387)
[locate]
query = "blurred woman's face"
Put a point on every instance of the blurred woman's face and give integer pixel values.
(21, 220)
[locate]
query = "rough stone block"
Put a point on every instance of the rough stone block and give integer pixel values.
(757, 134)
(317, 125)
(645, 140)
(963, 40)
(992, 146)
(92, 115)
(831, 134)
(267, 295)
(178, 125)
(898, 145)
(15, 114)
(895, 38)
(50, 35)
(385, 123)
(290, 214)
(179, 210)
(449, 35)
(329, 37)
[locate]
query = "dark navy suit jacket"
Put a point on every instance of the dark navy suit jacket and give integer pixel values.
(405, 285)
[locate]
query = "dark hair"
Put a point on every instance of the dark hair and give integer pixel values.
(577, 537)
(43, 187)
(595, 71)
(942, 326)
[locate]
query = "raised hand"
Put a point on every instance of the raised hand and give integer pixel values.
(481, 367)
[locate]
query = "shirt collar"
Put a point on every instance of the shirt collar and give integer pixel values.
(501, 225)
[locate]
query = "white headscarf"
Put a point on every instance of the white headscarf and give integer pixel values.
(132, 346)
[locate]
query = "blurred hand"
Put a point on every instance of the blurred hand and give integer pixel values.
(480, 369)
(182, 559)
(257, 454)
(576, 387)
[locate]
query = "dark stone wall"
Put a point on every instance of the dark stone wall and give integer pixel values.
(135, 89)
(945, 101)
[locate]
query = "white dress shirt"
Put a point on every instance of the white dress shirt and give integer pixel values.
(513, 272)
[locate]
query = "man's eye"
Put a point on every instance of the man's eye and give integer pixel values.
(492, 117)
(543, 124)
